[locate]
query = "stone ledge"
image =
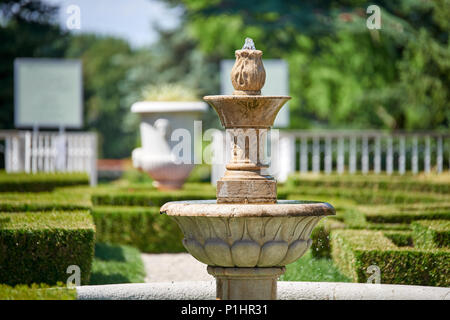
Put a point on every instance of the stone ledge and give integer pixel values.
(287, 290)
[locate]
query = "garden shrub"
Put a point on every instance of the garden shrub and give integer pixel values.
(37, 292)
(429, 234)
(44, 201)
(370, 181)
(399, 238)
(141, 227)
(355, 250)
(149, 198)
(320, 235)
(362, 196)
(406, 213)
(39, 182)
(38, 247)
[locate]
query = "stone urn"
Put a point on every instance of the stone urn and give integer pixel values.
(246, 236)
(156, 156)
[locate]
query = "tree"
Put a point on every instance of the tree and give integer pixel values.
(27, 29)
(341, 73)
(104, 67)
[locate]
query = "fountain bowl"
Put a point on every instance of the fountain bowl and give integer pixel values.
(247, 235)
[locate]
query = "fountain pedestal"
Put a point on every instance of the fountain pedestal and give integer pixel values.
(246, 283)
(247, 236)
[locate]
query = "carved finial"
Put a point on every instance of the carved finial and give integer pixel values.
(248, 74)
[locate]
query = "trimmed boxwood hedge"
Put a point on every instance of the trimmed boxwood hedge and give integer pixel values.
(355, 250)
(406, 213)
(431, 234)
(36, 292)
(361, 196)
(38, 247)
(39, 182)
(371, 181)
(44, 201)
(141, 227)
(150, 198)
(399, 238)
(320, 236)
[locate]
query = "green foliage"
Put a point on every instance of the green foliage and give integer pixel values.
(44, 201)
(429, 234)
(353, 251)
(116, 264)
(320, 236)
(341, 73)
(39, 37)
(36, 292)
(104, 66)
(39, 182)
(168, 92)
(363, 196)
(426, 183)
(406, 213)
(399, 238)
(150, 198)
(309, 269)
(140, 227)
(38, 247)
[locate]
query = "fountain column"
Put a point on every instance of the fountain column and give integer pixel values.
(247, 236)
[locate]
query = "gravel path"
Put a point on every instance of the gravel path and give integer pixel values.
(174, 267)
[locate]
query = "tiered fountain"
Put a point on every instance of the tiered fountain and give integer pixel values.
(247, 236)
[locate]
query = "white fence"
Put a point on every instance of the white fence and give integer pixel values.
(353, 152)
(25, 151)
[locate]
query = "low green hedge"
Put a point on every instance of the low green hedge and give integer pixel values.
(38, 247)
(141, 227)
(148, 199)
(353, 251)
(360, 196)
(36, 292)
(352, 219)
(399, 237)
(406, 213)
(39, 182)
(431, 234)
(44, 201)
(371, 181)
(320, 236)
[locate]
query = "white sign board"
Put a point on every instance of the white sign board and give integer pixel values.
(277, 83)
(48, 93)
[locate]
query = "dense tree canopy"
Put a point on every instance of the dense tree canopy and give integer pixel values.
(342, 75)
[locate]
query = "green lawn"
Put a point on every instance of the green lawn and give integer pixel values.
(116, 264)
(308, 268)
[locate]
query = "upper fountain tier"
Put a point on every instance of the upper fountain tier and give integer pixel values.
(246, 107)
(247, 117)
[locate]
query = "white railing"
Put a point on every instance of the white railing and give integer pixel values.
(25, 151)
(352, 151)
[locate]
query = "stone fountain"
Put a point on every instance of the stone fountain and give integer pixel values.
(247, 236)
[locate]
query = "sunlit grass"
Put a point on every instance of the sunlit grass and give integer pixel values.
(311, 269)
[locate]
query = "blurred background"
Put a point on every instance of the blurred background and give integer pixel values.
(342, 75)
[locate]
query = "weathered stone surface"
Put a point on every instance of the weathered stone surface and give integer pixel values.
(287, 290)
(238, 191)
(230, 235)
(247, 111)
(246, 283)
(248, 75)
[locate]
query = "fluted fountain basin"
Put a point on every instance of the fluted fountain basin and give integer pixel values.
(247, 235)
(246, 111)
